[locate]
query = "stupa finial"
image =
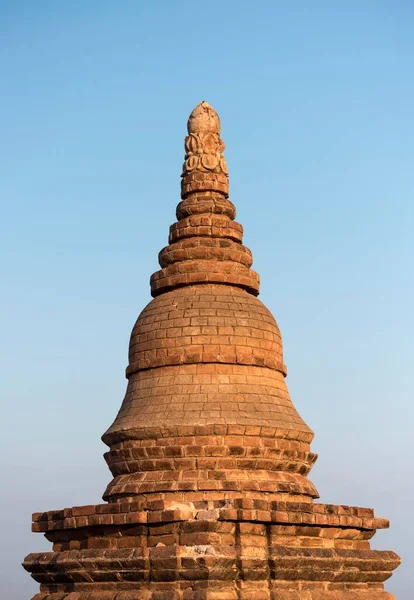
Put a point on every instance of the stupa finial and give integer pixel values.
(204, 168)
(204, 118)
(205, 245)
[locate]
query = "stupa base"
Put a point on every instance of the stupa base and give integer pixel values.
(240, 549)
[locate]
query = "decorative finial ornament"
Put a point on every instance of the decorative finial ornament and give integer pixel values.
(204, 167)
(205, 246)
(203, 119)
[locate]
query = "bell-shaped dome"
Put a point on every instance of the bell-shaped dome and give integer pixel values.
(207, 409)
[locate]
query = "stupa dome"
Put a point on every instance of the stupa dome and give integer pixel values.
(206, 358)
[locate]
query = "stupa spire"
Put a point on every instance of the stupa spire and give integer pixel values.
(205, 245)
(204, 167)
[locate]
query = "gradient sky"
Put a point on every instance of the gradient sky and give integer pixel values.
(316, 102)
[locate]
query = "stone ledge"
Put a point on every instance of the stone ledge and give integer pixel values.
(179, 431)
(172, 593)
(193, 563)
(209, 354)
(206, 203)
(286, 513)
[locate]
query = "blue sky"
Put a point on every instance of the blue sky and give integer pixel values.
(316, 101)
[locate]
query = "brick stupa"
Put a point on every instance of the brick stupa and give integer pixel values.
(210, 497)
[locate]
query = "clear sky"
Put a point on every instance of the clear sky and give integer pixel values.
(316, 102)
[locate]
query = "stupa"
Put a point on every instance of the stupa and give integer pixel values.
(210, 497)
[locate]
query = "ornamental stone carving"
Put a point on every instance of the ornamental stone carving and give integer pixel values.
(204, 153)
(204, 167)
